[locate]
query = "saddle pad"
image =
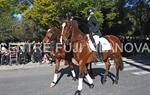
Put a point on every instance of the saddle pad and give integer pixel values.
(103, 41)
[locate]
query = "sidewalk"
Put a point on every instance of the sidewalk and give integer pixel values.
(36, 65)
(23, 66)
(136, 59)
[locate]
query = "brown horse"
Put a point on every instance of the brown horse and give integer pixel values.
(84, 55)
(52, 34)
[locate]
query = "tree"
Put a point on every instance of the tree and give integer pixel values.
(6, 27)
(51, 9)
(6, 20)
(42, 11)
(119, 17)
(138, 14)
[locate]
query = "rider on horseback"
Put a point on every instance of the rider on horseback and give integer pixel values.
(94, 29)
(70, 17)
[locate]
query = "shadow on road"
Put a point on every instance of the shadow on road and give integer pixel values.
(137, 66)
(96, 72)
(142, 58)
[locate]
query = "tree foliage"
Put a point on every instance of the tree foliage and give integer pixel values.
(119, 17)
(7, 21)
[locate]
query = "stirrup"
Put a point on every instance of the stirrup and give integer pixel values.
(97, 56)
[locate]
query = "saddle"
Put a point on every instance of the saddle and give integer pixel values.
(103, 42)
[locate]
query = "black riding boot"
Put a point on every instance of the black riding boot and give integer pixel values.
(97, 52)
(96, 47)
(98, 56)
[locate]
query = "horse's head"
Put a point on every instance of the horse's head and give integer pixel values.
(48, 36)
(66, 30)
(51, 34)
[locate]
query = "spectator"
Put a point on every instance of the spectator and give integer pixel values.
(4, 55)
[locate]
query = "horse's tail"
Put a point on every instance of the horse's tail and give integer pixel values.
(121, 64)
(118, 49)
(117, 46)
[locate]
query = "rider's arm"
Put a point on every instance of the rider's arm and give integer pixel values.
(96, 25)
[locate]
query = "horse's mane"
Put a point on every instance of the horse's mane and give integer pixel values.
(81, 35)
(57, 33)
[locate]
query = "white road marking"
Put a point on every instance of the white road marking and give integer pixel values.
(141, 73)
(130, 68)
(126, 65)
(136, 68)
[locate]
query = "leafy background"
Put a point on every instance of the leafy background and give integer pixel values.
(22, 20)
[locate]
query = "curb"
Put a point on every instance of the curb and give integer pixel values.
(23, 66)
(38, 65)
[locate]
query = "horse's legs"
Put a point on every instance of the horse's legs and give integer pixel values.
(72, 71)
(90, 69)
(107, 64)
(117, 75)
(88, 77)
(91, 85)
(82, 68)
(82, 72)
(118, 65)
(56, 73)
(81, 76)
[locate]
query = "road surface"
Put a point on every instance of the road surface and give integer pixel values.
(134, 80)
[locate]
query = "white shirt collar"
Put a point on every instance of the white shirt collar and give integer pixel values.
(89, 18)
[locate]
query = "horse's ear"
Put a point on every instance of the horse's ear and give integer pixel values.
(64, 24)
(50, 25)
(48, 30)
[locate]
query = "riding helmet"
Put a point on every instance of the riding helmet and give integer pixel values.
(69, 14)
(90, 10)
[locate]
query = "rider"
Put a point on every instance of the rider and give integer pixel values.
(70, 17)
(94, 28)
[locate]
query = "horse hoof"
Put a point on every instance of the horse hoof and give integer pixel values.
(91, 86)
(115, 82)
(78, 92)
(103, 81)
(52, 84)
(74, 78)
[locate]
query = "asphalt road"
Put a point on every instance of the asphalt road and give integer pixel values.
(134, 80)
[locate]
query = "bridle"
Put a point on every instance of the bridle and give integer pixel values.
(67, 37)
(53, 32)
(49, 31)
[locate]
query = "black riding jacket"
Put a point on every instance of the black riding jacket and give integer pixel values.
(93, 25)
